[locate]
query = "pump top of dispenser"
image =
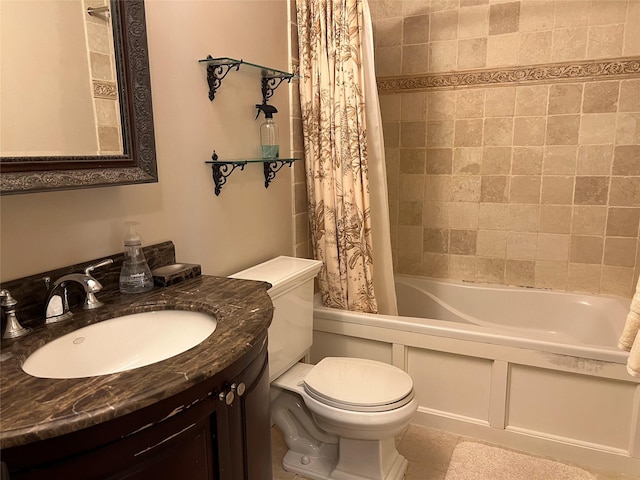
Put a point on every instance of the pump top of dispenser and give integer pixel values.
(131, 237)
(268, 110)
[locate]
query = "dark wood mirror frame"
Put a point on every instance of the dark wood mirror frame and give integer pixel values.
(138, 163)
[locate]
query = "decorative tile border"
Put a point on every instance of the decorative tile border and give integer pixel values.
(103, 89)
(538, 73)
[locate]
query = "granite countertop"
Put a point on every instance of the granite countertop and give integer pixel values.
(33, 409)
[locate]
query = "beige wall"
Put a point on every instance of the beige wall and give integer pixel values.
(246, 223)
(533, 183)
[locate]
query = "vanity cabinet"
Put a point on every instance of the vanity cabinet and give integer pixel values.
(218, 429)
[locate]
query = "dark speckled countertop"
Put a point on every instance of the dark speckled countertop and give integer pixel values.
(33, 409)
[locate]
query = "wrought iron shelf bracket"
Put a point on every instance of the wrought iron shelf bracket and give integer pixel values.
(218, 68)
(221, 169)
(271, 167)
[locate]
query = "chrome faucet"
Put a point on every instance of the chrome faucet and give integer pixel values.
(56, 307)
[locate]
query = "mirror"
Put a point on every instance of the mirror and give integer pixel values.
(119, 151)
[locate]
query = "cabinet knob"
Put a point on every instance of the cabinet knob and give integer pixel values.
(238, 388)
(227, 397)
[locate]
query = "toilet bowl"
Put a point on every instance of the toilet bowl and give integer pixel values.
(339, 418)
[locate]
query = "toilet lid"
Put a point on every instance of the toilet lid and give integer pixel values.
(358, 384)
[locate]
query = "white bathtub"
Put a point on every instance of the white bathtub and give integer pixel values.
(530, 369)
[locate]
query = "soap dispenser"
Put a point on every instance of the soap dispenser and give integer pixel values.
(268, 131)
(135, 275)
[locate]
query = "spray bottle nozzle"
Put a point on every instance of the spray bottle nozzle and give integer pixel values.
(268, 110)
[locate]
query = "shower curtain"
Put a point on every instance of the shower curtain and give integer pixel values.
(344, 156)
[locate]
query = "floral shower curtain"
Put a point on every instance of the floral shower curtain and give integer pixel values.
(333, 118)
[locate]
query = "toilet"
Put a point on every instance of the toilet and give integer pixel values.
(340, 417)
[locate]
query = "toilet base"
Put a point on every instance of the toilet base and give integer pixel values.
(373, 460)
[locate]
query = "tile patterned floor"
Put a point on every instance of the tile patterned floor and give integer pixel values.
(427, 450)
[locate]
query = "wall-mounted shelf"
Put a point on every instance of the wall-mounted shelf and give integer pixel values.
(223, 168)
(218, 68)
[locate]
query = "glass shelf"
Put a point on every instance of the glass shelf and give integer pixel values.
(218, 68)
(221, 169)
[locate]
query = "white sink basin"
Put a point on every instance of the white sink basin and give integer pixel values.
(120, 344)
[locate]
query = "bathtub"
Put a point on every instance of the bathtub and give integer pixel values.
(530, 369)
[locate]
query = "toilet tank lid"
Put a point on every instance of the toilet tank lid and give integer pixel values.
(281, 270)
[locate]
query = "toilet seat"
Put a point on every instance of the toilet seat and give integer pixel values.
(358, 385)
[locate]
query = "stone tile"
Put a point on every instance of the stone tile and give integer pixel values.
(491, 270)
(435, 214)
(463, 267)
(470, 103)
(527, 161)
(413, 134)
(569, 44)
(468, 133)
(629, 96)
(563, 130)
(494, 189)
(388, 61)
(473, 22)
(555, 218)
(520, 273)
(557, 190)
(529, 130)
(625, 191)
(465, 188)
(440, 133)
(435, 265)
(443, 56)
(628, 128)
(532, 100)
(412, 160)
(411, 188)
(498, 131)
(594, 160)
(535, 47)
(597, 128)
(496, 160)
(467, 161)
(410, 213)
(415, 59)
(504, 18)
(591, 191)
(502, 50)
(413, 107)
(620, 252)
(588, 220)
(536, 15)
(472, 53)
(415, 29)
(437, 188)
(441, 105)
(462, 242)
(623, 222)
(525, 189)
(388, 32)
(491, 243)
(444, 25)
(616, 281)
(409, 239)
(521, 245)
(435, 240)
(493, 216)
(600, 97)
(463, 215)
(626, 160)
(565, 98)
(551, 275)
(524, 218)
(584, 278)
(439, 161)
(553, 247)
(586, 249)
(499, 102)
(631, 39)
(560, 160)
(571, 14)
(605, 41)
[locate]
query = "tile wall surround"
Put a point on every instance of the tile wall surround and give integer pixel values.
(103, 79)
(512, 134)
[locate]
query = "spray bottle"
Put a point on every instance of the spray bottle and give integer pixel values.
(135, 276)
(268, 132)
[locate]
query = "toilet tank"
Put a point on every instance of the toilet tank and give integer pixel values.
(291, 330)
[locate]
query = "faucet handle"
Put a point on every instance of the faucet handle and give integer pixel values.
(91, 268)
(13, 329)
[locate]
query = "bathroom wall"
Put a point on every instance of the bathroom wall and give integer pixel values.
(246, 223)
(512, 131)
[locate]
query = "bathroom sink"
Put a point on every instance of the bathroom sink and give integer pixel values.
(120, 344)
